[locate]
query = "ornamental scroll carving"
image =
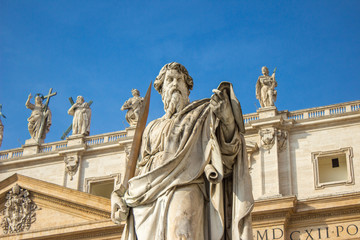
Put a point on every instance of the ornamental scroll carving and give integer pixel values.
(19, 212)
(71, 165)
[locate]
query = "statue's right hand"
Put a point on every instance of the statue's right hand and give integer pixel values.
(29, 97)
(119, 209)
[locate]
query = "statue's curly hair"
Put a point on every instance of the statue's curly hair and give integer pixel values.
(135, 90)
(158, 83)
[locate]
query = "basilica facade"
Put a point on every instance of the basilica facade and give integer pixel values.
(304, 166)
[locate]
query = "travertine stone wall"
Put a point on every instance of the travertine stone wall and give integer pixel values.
(323, 138)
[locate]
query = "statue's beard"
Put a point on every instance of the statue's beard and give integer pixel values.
(174, 101)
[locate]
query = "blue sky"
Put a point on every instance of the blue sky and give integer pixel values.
(103, 49)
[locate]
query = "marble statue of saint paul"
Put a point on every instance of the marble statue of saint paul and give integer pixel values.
(192, 179)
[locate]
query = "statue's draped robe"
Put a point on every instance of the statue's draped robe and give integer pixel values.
(81, 119)
(133, 105)
(34, 121)
(177, 152)
(265, 90)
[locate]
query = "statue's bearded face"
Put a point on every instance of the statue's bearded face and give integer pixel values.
(175, 92)
(79, 99)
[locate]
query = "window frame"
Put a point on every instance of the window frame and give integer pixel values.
(349, 165)
(88, 181)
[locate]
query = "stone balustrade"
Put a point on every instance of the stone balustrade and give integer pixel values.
(105, 138)
(117, 136)
(250, 117)
(12, 153)
(56, 146)
(314, 112)
(325, 111)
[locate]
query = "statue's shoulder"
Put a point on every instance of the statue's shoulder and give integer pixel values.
(262, 77)
(153, 122)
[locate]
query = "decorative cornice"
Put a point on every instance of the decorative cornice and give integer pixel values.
(271, 216)
(52, 190)
(325, 214)
(73, 231)
(79, 207)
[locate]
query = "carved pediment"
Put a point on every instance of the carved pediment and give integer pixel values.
(52, 210)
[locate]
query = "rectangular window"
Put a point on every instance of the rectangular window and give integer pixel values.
(102, 189)
(333, 167)
(101, 186)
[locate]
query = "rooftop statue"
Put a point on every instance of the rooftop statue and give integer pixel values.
(1, 132)
(265, 88)
(192, 179)
(133, 105)
(39, 121)
(1, 125)
(82, 116)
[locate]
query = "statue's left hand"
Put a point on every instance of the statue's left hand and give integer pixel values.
(119, 209)
(220, 105)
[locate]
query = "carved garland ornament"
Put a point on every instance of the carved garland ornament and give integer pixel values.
(19, 212)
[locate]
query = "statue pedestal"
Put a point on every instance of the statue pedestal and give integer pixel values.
(75, 140)
(267, 112)
(32, 141)
(32, 146)
(130, 131)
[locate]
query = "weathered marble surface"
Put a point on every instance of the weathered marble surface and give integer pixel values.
(194, 146)
(133, 106)
(82, 116)
(265, 88)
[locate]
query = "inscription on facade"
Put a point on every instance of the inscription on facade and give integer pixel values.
(339, 231)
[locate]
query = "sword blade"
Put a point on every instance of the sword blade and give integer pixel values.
(136, 144)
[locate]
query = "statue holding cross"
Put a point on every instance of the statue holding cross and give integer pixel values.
(39, 121)
(1, 125)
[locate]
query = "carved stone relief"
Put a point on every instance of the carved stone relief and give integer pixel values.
(267, 138)
(19, 212)
(281, 138)
(71, 164)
